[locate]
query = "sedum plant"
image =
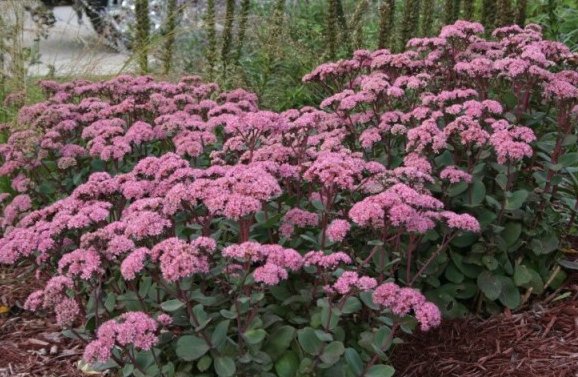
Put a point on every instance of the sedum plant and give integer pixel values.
(186, 231)
(493, 118)
(181, 245)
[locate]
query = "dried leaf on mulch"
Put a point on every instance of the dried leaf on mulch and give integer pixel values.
(541, 341)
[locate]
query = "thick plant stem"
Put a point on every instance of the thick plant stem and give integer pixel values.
(227, 35)
(427, 17)
(386, 19)
(521, 8)
(245, 9)
(142, 33)
(410, 21)
(211, 37)
(331, 33)
(357, 23)
(170, 29)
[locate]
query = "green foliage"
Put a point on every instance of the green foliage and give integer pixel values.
(521, 9)
(386, 22)
(410, 23)
(505, 13)
(227, 36)
(559, 19)
(142, 41)
(357, 23)
(244, 18)
(210, 30)
(488, 14)
(285, 42)
(169, 36)
(427, 17)
(332, 28)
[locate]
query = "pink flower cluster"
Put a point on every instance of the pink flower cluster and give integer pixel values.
(275, 260)
(455, 175)
(54, 297)
(350, 280)
(326, 261)
(402, 206)
(134, 328)
(403, 300)
(337, 230)
(297, 217)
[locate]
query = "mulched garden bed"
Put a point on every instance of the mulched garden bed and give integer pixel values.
(540, 341)
(30, 345)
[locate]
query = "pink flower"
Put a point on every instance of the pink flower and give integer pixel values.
(386, 294)
(269, 274)
(164, 319)
(34, 301)
(345, 282)
(403, 300)
(66, 312)
(135, 328)
(318, 258)
(55, 290)
(246, 251)
(428, 315)
(80, 262)
(350, 280)
(462, 222)
(511, 143)
(286, 258)
(337, 230)
(297, 217)
(142, 224)
(455, 175)
(335, 169)
(401, 205)
(20, 204)
(179, 259)
(134, 263)
(406, 300)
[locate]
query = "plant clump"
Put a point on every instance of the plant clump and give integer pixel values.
(187, 230)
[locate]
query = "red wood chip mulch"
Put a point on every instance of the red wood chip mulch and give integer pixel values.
(541, 341)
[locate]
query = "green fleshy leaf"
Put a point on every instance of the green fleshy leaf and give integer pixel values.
(287, 365)
(225, 366)
(516, 199)
(309, 341)
(380, 370)
(190, 347)
(489, 285)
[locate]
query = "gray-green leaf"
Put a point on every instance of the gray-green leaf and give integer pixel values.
(380, 370)
(225, 366)
(489, 285)
(190, 347)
